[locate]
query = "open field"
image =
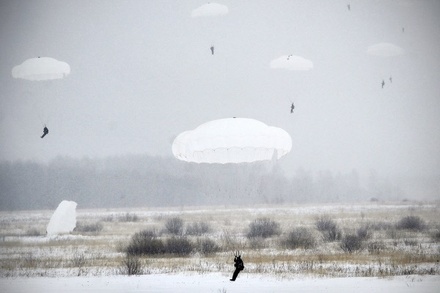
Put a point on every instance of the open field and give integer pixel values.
(382, 247)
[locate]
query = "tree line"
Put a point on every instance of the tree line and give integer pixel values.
(142, 180)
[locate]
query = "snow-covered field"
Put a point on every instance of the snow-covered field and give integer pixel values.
(390, 260)
(218, 283)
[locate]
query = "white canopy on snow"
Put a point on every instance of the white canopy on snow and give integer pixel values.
(231, 140)
(291, 62)
(385, 50)
(41, 68)
(63, 220)
(210, 9)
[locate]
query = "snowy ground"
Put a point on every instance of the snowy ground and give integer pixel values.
(219, 283)
(93, 262)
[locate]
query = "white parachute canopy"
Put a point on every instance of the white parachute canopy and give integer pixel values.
(210, 9)
(385, 50)
(291, 62)
(232, 140)
(63, 220)
(41, 68)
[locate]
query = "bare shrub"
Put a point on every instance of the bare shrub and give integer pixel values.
(410, 242)
(33, 232)
(179, 245)
(257, 243)
(174, 226)
(351, 243)
(414, 223)
(363, 232)
(29, 261)
(395, 233)
(131, 265)
(89, 228)
(128, 217)
(436, 235)
(376, 247)
(263, 227)
(328, 228)
(78, 259)
(198, 229)
(377, 226)
(145, 243)
(207, 246)
(300, 238)
(228, 240)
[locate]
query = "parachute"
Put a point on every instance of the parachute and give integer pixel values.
(44, 70)
(41, 68)
(232, 140)
(210, 9)
(385, 50)
(388, 66)
(291, 62)
(63, 220)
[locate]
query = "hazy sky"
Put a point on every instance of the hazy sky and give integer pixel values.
(142, 72)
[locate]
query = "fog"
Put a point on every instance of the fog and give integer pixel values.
(142, 72)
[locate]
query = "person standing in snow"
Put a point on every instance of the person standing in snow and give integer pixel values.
(238, 264)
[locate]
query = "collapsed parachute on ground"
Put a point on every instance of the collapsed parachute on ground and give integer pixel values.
(63, 220)
(385, 50)
(210, 9)
(41, 68)
(291, 62)
(232, 140)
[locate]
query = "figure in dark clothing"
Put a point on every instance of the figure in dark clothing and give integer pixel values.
(348, 6)
(391, 79)
(238, 264)
(383, 83)
(45, 131)
(212, 50)
(292, 107)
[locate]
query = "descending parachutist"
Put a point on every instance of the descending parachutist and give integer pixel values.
(212, 50)
(45, 131)
(383, 83)
(391, 79)
(292, 107)
(403, 29)
(348, 6)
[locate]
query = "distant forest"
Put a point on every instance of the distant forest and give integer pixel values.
(141, 180)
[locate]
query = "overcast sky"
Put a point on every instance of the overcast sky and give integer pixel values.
(142, 72)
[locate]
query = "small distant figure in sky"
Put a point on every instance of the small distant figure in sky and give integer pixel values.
(212, 50)
(383, 83)
(45, 131)
(391, 79)
(403, 29)
(292, 107)
(238, 264)
(348, 6)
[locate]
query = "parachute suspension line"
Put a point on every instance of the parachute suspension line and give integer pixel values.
(41, 120)
(44, 119)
